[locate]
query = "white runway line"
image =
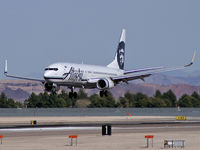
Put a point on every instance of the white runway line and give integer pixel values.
(50, 129)
(165, 127)
(91, 128)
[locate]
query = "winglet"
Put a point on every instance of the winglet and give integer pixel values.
(123, 35)
(19, 77)
(193, 58)
(194, 55)
(6, 67)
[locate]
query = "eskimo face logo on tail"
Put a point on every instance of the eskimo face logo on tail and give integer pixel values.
(121, 54)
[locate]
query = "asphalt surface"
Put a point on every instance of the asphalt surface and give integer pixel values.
(41, 130)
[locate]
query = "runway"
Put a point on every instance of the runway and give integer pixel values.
(84, 130)
(115, 126)
(124, 136)
(77, 121)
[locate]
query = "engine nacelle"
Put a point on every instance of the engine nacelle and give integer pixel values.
(51, 87)
(105, 83)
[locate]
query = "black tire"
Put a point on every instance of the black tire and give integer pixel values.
(70, 95)
(101, 93)
(106, 93)
(53, 92)
(75, 95)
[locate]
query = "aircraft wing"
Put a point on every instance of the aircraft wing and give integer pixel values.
(146, 72)
(142, 70)
(19, 77)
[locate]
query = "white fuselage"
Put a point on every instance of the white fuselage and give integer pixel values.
(77, 75)
(92, 76)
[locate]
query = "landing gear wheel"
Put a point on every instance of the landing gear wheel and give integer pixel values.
(106, 93)
(75, 95)
(53, 92)
(70, 95)
(103, 93)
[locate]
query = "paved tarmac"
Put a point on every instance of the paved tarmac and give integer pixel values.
(124, 136)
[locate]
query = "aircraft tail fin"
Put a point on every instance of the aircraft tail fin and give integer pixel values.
(119, 59)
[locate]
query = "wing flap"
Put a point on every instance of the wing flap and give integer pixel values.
(130, 77)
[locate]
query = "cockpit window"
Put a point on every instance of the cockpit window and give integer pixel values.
(55, 69)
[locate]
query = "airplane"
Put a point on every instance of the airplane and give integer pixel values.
(93, 76)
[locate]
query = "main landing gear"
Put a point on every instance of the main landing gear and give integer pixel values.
(103, 93)
(72, 94)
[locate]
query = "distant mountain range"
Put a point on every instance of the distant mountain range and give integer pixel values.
(162, 79)
(20, 90)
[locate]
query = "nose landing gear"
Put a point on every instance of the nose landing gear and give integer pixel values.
(72, 94)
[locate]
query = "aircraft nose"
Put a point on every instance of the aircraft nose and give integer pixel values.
(46, 74)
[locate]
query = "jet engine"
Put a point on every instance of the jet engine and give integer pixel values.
(51, 87)
(105, 83)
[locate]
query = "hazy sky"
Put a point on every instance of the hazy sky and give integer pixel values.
(34, 34)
